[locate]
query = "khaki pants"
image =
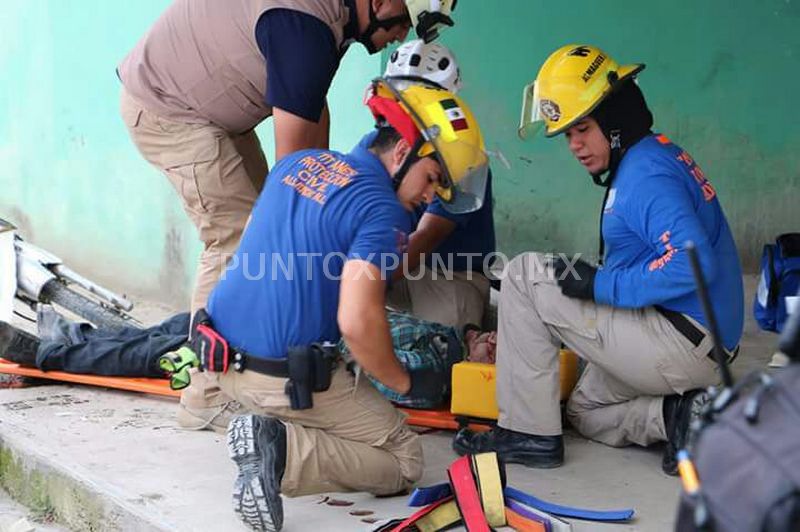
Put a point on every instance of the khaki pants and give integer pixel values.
(455, 302)
(353, 439)
(634, 358)
(218, 177)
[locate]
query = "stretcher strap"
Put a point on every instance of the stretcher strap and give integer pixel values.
(486, 471)
(433, 517)
(430, 494)
(475, 495)
(566, 511)
(521, 519)
(521, 524)
(441, 518)
(469, 502)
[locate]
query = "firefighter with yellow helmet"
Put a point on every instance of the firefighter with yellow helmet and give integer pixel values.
(634, 318)
(333, 227)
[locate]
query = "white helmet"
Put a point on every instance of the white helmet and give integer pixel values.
(417, 61)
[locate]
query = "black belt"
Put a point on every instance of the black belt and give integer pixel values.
(688, 329)
(274, 367)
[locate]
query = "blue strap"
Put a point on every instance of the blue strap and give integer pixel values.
(566, 511)
(430, 494)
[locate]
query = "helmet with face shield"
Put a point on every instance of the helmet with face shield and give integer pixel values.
(436, 123)
(573, 81)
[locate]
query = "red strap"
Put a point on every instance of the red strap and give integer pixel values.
(467, 497)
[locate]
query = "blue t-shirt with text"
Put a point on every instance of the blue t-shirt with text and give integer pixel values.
(318, 209)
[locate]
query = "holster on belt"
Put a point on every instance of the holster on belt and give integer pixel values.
(310, 369)
(211, 348)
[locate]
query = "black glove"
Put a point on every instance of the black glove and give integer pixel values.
(580, 286)
(427, 384)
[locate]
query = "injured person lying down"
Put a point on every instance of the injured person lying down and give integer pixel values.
(78, 347)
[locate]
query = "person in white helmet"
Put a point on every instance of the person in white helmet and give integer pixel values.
(448, 284)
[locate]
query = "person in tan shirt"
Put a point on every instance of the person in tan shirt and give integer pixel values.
(207, 73)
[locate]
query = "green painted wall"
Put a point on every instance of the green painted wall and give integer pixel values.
(721, 79)
(70, 177)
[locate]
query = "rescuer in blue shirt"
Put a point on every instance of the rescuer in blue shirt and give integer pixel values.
(635, 319)
(311, 269)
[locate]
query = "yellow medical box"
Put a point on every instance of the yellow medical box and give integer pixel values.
(474, 386)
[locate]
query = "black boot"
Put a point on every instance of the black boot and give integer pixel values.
(542, 452)
(258, 446)
(680, 411)
(18, 346)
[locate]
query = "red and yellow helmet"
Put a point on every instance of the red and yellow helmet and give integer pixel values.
(436, 122)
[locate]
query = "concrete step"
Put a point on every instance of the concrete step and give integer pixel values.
(106, 460)
(97, 459)
(16, 518)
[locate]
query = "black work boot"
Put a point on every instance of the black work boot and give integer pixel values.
(680, 411)
(258, 446)
(542, 452)
(18, 346)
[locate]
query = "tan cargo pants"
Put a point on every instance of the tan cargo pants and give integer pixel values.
(353, 439)
(455, 302)
(634, 358)
(218, 177)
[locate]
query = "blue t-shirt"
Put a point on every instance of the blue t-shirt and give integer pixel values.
(472, 244)
(318, 209)
(659, 201)
(302, 59)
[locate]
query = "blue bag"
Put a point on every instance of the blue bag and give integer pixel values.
(780, 277)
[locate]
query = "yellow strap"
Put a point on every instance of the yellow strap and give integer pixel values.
(487, 470)
(442, 517)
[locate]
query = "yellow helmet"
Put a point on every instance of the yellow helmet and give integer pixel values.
(570, 85)
(437, 122)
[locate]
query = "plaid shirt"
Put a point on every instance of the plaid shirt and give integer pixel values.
(419, 344)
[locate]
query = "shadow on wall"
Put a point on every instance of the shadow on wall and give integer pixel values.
(173, 281)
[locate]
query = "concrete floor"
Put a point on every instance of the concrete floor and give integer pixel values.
(136, 466)
(115, 460)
